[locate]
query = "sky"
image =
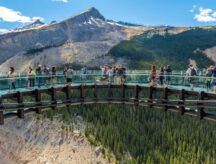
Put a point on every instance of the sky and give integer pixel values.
(17, 13)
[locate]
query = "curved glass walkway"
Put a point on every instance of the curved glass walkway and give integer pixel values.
(22, 83)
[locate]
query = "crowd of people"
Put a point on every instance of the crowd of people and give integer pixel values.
(110, 75)
(164, 76)
(45, 75)
(40, 74)
(113, 75)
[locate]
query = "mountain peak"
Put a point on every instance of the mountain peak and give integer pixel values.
(36, 23)
(94, 13)
(87, 15)
(92, 9)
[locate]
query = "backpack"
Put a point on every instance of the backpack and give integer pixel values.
(193, 72)
(120, 72)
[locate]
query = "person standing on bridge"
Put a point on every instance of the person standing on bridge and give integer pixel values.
(11, 76)
(168, 71)
(191, 71)
(209, 78)
(114, 74)
(39, 75)
(54, 78)
(110, 75)
(102, 70)
(161, 76)
(65, 73)
(84, 74)
(124, 74)
(46, 72)
(119, 75)
(68, 73)
(31, 77)
(104, 74)
(153, 76)
(213, 81)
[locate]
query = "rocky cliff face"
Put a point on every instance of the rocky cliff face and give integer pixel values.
(43, 141)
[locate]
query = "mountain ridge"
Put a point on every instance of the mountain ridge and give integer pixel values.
(80, 39)
(86, 38)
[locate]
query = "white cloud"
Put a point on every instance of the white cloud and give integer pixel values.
(205, 15)
(10, 15)
(194, 6)
(65, 1)
(192, 10)
(214, 14)
(2, 31)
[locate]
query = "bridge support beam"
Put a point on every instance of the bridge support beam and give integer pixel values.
(123, 92)
(68, 95)
(1, 113)
(165, 98)
(20, 112)
(200, 107)
(81, 93)
(95, 93)
(53, 98)
(1, 117)
(181, 102)
(109, 92)
(38, 101)
(137, 90)
(150, 96)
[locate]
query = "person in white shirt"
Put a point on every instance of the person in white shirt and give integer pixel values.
(191, 71)
(110, 75)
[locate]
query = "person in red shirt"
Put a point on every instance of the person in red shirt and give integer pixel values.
(153, 76)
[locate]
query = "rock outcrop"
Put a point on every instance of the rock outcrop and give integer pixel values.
(43, 141)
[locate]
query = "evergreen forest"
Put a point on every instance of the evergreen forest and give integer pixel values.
(141, 135)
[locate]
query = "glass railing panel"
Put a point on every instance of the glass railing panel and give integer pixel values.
(178, 81)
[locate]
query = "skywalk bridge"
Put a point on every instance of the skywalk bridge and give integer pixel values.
(181, 96)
